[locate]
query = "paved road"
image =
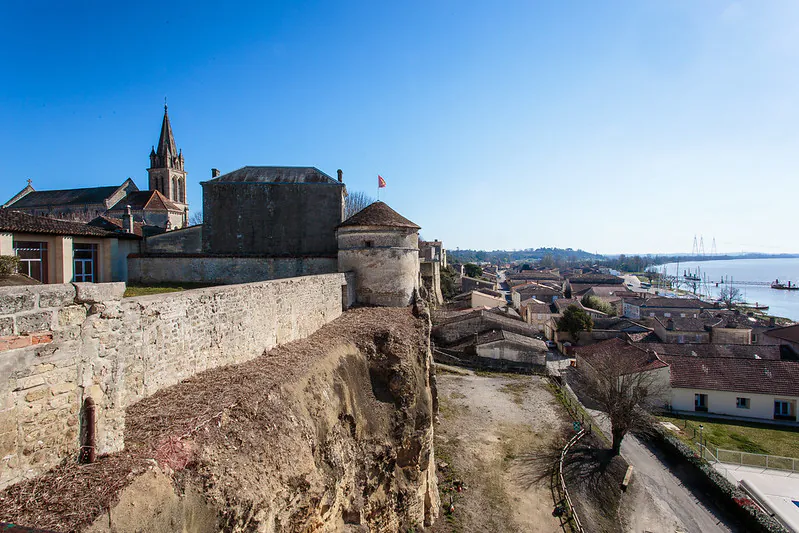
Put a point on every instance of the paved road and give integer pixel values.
(666, 489)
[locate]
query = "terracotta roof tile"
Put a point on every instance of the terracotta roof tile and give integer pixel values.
(378, 214)
(21, 222)
(759, 376)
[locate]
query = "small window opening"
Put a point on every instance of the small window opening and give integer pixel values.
(369, 244)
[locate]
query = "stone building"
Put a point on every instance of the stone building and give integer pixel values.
(273, 211)
(381, 247)
(162, 207)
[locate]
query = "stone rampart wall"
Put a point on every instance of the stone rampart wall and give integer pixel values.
(64, 343)
(225, 270)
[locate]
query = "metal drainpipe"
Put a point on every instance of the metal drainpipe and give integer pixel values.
(87, 449)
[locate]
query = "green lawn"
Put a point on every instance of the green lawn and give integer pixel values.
(147, 290)
(740, 436)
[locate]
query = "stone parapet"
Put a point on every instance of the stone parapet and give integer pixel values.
(90, 342)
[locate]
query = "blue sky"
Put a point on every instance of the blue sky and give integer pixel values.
(609, 126)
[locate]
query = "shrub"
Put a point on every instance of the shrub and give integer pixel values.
(9, 264)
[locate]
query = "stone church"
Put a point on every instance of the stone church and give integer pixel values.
(161, 208)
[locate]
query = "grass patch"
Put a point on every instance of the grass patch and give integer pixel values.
(740, 436)
(506, 375)
(148, 290)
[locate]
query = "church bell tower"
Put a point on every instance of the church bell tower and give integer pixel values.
(166, 168)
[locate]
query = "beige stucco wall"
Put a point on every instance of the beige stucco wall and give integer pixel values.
(479, 300)
(731, 336)
(121, 350)
(504, 350)
(724, 403)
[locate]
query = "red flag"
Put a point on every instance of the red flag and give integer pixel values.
(381, 183)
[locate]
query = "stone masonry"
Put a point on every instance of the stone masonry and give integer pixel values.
(60, 344)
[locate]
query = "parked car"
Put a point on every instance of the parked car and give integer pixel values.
(551, 345)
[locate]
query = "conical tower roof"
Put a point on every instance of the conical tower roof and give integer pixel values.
(378, 214)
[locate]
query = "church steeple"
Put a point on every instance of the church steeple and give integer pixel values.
(166, 171)
(167, 155)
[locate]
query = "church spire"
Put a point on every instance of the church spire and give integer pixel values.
(167, 151)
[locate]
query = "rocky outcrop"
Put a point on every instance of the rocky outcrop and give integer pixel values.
(330, 433)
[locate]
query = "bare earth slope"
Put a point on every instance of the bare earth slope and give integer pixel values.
(497, 434)
(330, 433)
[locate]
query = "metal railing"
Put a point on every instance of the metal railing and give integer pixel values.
(563, 453)
(759, 460)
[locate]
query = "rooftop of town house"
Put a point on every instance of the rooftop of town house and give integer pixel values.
(378, 214)
(498, 335)
(741, 351)
(759, 376)
(787, 333)
(151, 200)
(609, 290)
(619, 324)
(115, 225)
(687, 323)
(596, 279)
(620, 354)
(668, 303)
(15, 221)
(268, 174)
(485, 292)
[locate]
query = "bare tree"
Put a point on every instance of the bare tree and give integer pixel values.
(356, 201)
(730, 296)
(196, 218)
(624, 382)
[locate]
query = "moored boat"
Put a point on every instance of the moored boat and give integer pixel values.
(783, 286)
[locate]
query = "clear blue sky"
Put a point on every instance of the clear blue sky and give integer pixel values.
(608, 126)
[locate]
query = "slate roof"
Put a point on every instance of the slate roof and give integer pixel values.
(631, 358)
(15, 221)
(275, 175)
(90, 195)
(149, 200)
(743, 351)
(378, 214)
(759, 376)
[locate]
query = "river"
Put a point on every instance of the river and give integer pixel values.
(781, 303)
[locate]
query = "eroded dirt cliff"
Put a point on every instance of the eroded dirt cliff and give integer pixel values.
(330, 433)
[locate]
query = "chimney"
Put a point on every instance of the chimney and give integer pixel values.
(340, 175)
(215, 172)
(670, 325)
(127, 220)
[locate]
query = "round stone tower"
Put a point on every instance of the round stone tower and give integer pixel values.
(382, 248)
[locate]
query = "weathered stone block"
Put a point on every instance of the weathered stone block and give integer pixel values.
(16, 299)
(56, 295)
(37, 393)
(8, 443)
(61, 388)
(36, 321)
(6, 325)
(72, 315)
(91, 293)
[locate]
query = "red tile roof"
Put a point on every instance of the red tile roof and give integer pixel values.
(788, 333)
(633, 358)
(759, 376)
(15, 221)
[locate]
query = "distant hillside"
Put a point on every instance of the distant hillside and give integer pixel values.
(530, 254)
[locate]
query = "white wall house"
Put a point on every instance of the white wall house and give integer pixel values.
(732, 386)
(744, 404)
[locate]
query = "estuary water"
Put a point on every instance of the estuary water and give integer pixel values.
(781, 303)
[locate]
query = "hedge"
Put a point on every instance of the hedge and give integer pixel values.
(9, 264)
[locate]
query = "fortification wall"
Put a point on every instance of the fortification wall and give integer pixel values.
(64, 343)
(226, 270)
